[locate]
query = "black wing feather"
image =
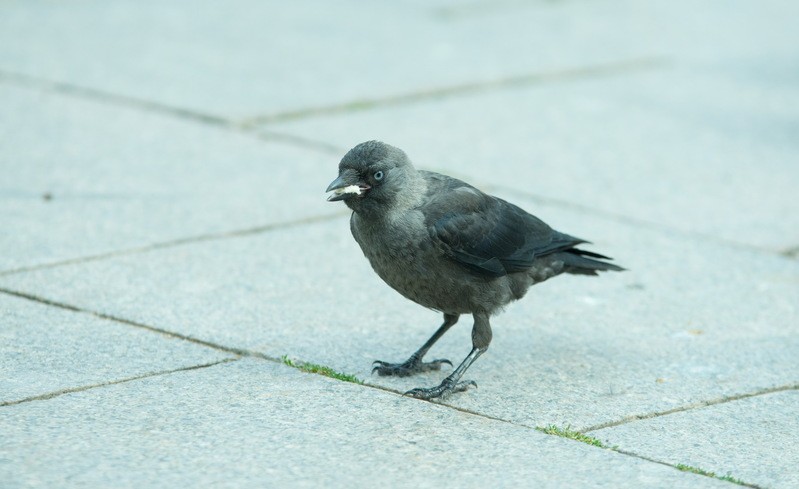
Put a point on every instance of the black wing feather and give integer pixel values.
(488, 235)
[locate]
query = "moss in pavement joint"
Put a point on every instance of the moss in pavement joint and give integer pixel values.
(571, 434)
(707, 473)
(313, 368)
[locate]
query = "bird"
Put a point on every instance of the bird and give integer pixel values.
(449, 247)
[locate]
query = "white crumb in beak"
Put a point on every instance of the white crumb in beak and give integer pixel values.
(350, 189)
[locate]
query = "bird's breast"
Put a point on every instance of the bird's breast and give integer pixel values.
(394, 248)
(405, 257)
(401, 253)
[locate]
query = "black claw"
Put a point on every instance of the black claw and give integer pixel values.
(462, 386)
(442, 391)
(411, 367)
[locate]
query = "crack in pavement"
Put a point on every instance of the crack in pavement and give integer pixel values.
(487, 187)
(70, 390)
(58, 393)
(27, 81)
(464, 89)
(250, 124)
(293, 139)
(638, 222)
(171, 334)
(179, 242)
(675, 466)
(790, 252)
(239, 353)
(86, 93)
(242, 352)
(691, 407)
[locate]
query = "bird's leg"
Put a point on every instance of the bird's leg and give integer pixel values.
(414, 364)
(481, 338)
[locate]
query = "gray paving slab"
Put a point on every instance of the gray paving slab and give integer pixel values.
(680, 158)
(247, 58)
(121, 178)
(752, 438)
(264, 56)
(691, 320)
(698, 147)
(44, 350)
(254, 423)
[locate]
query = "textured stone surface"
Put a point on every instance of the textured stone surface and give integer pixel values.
(118, 178)
(130, 124)
(247, 58)
(753, 439)
(44, 350)
(690, 320)
(706, 149)
(253, 423)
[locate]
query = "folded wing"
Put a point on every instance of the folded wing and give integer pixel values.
(488, 235)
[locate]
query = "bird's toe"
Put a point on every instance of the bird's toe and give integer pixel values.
(441, 391)
(408, 368)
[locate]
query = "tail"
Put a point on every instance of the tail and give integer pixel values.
(583, 262)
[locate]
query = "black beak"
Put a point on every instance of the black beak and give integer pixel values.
(346, 186)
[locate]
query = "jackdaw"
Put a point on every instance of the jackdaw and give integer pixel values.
(450, 247)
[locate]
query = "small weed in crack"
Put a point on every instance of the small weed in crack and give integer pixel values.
(571, 434)
(707, 473)
(313, 368)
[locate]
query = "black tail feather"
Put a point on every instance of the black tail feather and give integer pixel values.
(587, 262)
(577, 251)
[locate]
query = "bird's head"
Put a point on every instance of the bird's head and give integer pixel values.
(372, 177)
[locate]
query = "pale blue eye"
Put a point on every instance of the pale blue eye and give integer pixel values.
(378, 175)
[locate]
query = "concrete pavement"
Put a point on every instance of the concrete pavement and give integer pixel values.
(165, 243)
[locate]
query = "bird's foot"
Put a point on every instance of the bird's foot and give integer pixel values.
(412, 366)
(442, 391)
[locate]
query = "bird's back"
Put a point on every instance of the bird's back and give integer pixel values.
(461, 249)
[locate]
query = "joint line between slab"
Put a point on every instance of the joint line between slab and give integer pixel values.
(633, 221)
(791, 252)
(93, 93)
(465, 89)
(248, 353)
(690, 407)
(179, 242)
(674, 466)
(247, 125)
(71, 390)
(522, 425)
(109, 317)
(27, 81)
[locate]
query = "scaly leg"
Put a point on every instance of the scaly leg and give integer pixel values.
(414, 364)
(481, 338)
